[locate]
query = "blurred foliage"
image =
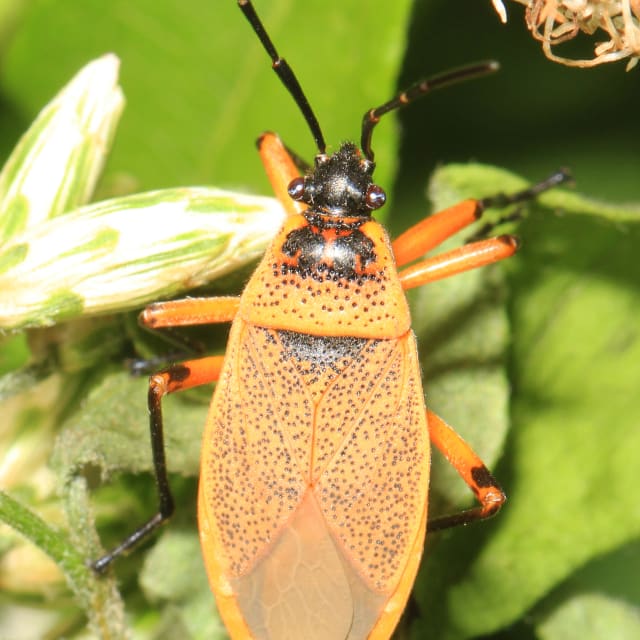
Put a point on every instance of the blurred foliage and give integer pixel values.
(532, 116)
(537, 361)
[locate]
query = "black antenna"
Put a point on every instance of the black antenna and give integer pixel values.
(372, 117)
(285, 73)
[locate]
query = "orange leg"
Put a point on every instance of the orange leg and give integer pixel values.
(471, 469)
(184, 375)
(432, 231)
(470, 256)
(190, 311)
(281, 170)
(177, 377)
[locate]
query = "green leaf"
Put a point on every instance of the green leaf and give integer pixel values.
(600, 600)
(173, 571)
(112, 430)
(591, 616)
(569, 465)
(100, 599)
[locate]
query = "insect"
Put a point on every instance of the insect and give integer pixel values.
(316, 453)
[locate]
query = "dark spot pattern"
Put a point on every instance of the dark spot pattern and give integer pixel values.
(316, 253)
(483, 478)
(343, 418)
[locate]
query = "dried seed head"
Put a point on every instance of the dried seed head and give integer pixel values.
(554, 22)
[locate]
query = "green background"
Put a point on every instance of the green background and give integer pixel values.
(537, 363)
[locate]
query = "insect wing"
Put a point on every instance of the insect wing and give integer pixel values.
(314, 483)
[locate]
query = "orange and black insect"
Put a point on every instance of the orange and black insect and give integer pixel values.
(316, 452)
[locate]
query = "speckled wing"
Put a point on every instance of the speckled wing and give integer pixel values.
(314, 483)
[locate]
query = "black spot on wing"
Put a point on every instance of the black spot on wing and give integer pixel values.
(321, 352)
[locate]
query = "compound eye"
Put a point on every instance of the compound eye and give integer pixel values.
(296, 188)
(375, 197)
